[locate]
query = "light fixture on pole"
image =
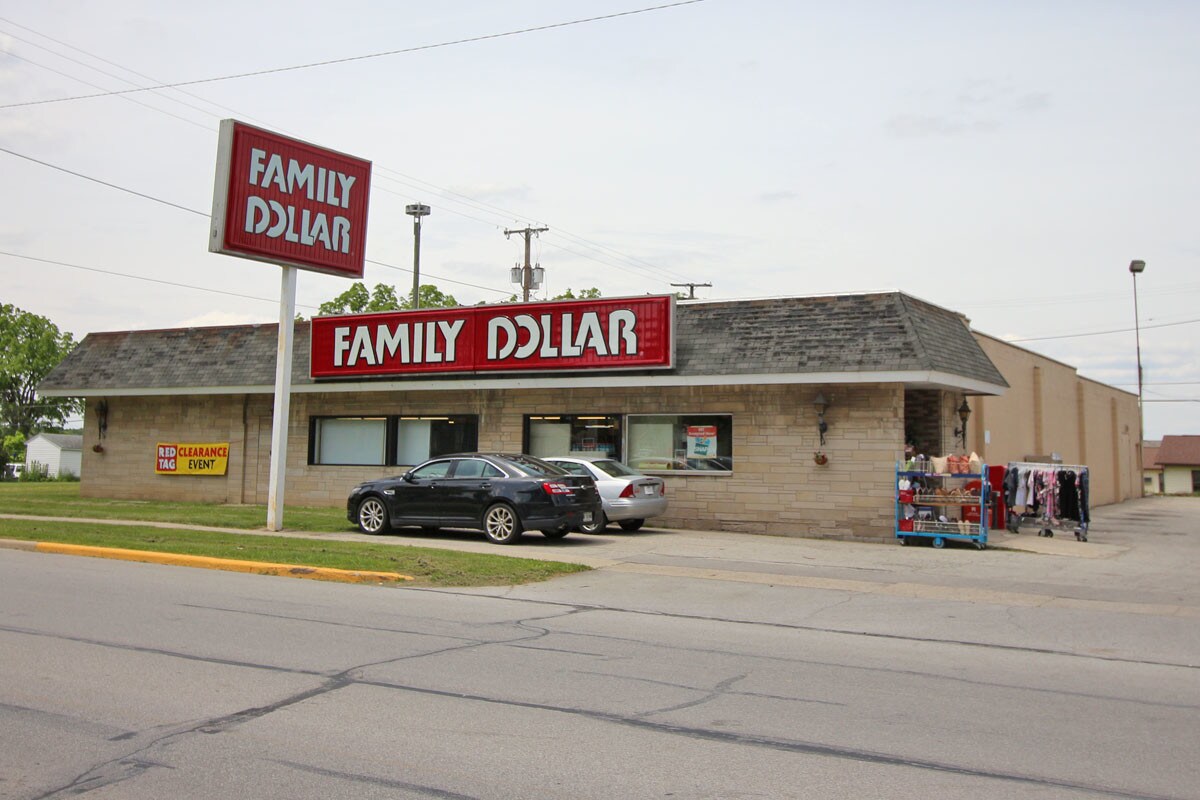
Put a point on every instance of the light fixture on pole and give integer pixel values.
(1135, 268)
(416, 211)
(964, 414)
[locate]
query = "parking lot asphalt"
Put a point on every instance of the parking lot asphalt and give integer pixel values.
(1135, 560)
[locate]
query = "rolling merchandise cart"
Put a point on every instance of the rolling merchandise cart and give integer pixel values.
(933, 505)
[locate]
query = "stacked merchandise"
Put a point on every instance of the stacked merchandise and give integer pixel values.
(1051, 496)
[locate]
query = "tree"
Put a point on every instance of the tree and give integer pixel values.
(357, 300)
(30, 346)
(584, 294)
(12, 450)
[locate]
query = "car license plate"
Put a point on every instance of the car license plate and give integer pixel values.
(647, 490)
(587, 517)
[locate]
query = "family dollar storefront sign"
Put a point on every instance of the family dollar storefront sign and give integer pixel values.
(289, 202)
(192, 459)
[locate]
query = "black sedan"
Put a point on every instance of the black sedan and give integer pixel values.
(501, 494)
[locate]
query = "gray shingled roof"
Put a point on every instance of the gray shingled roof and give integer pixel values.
(859, 333)
(64, 441)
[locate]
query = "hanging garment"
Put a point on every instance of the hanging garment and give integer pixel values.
(1085, 515)
(1068, 495)
(1011, 476)
(1022, 498)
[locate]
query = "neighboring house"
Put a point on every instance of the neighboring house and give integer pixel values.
(1179, 457)
(61, 453)
(1152, 471)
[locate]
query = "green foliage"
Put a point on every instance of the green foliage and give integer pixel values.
(427, 565)
(12, 449)
(358, 300)
(35, 472)
(30, 346)
(584, 294)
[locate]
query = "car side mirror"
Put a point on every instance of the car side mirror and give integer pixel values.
(407, 477)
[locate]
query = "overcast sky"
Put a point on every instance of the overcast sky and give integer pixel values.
(1005, 160)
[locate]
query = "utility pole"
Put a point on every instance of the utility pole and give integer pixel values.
(527, 270)
(692, 288)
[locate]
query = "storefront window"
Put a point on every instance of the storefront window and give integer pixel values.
(350, 440)
(579, 435)
(421, 438)
(389, 441)
(686, 442)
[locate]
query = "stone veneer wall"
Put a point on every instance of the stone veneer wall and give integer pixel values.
(775, 487)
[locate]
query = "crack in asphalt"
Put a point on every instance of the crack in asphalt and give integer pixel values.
(788, 626)
(134, 763)
(373, 780)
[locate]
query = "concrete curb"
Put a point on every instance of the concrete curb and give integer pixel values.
(207, 562)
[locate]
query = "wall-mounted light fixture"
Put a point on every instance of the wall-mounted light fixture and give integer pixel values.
(102, 418)
(964, 414)
(820, 404)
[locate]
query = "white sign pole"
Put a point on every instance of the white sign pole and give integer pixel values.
(283, 397)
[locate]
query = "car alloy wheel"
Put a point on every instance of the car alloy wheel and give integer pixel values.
(372, 515)
(599, 522)
(501, 524)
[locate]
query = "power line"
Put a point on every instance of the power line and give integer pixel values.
(349, 59)
(641, 266)
(96, 86)
(142, 278)
(103, 183)
(191, 211)
(1103, 333)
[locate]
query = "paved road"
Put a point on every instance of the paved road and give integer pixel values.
(689, 665)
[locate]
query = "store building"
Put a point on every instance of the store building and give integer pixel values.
(726, 399)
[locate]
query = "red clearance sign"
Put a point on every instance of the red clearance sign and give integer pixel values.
(625, 333)
(289, 202)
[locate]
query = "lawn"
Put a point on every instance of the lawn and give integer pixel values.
(427, 565)
(53, 499)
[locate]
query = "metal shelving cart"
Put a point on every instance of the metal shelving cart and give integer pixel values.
(933, 497)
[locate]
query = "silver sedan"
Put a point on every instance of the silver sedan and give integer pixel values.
(629, 497)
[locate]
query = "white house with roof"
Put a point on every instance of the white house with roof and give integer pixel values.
(60, 453)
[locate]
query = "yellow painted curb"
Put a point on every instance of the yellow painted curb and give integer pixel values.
(226, 564)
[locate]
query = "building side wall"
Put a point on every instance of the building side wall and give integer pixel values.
(775, 488)
(1049, 410)
(42, 451)
(70, 462)
(1177, 480)
(123, 467)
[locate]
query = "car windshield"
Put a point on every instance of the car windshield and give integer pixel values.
(528, 465)
(615, 468)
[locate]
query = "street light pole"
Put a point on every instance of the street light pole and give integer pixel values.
(1136, 267)
(416, 211)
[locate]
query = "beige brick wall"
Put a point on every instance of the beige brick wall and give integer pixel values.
(775, 487)
(124, 468)
(1050, 409)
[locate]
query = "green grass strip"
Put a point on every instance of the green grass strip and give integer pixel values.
(428, 566)
(64, 500)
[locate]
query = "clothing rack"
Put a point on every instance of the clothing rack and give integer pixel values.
(1047, 465)
(1047, 525)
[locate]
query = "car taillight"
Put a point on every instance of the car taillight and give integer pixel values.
(554, 487)
(662, 489)
(627, 491)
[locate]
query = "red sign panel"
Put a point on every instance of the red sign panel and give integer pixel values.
(627, 333)
(289, 202)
